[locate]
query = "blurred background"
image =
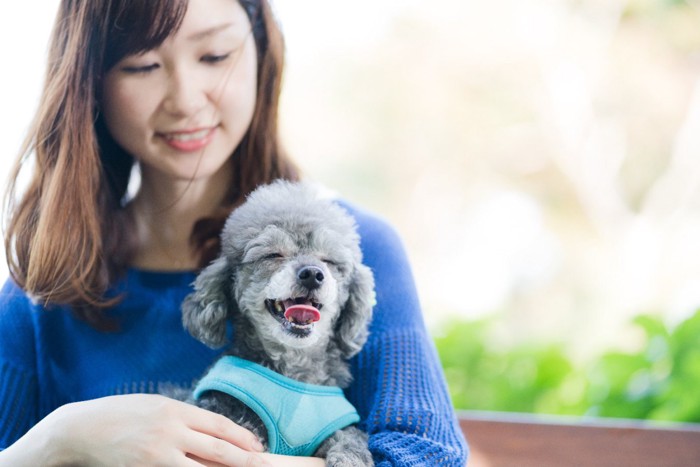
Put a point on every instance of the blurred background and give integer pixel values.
(540, 160)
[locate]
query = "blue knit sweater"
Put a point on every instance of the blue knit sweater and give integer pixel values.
(48, 358)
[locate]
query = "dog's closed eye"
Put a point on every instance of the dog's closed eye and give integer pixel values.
(273, 256)
(339, 266)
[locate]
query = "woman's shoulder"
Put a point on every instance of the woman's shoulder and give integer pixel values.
(16, 323)
(375, 231)
(398, 306)
(383, 250)
(16, 308)
(13, 298)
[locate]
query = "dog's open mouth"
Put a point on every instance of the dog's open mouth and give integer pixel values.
(297, 315)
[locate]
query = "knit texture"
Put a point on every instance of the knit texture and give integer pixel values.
(47, 358)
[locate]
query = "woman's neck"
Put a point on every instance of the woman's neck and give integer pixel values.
(165, 212)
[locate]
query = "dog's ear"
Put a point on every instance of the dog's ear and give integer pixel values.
(351, 328)
(205, 310)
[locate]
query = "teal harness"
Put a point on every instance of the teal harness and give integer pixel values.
(298, 416)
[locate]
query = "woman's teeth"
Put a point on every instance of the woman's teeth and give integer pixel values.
(187, 136)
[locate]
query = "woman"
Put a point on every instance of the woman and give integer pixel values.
(187, 92)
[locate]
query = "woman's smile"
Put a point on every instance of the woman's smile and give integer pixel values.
(188, 140)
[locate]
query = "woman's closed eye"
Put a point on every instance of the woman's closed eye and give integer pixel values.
(144, 69)
(140, 69)
(215, 58)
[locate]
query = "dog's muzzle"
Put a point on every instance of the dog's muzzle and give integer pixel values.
(310, 277)
(297, 315)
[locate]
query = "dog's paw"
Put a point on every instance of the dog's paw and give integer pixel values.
(346, 448)
(349, 459)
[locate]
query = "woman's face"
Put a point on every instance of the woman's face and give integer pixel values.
(183, 108)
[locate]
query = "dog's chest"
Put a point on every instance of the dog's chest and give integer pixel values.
(235, 410)
(281, 411)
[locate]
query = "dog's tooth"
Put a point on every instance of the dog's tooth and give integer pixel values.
(278, 306)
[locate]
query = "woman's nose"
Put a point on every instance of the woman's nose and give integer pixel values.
(186, 95)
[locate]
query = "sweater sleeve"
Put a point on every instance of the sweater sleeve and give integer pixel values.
(398, 385)
(18, 381)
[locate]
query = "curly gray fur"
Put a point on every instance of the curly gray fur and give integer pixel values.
(281, 228)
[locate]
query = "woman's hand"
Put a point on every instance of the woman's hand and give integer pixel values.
(284, 461)
(135, 429)
(290, 461)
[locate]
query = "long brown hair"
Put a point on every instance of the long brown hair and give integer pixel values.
(68, 236)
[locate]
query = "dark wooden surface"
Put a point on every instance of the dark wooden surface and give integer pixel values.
(521, 440)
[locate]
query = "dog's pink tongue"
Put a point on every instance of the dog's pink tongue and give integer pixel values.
(302, 313)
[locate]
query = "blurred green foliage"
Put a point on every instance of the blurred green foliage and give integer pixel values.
(657, 381)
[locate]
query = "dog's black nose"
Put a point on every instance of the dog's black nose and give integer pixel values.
(310, 277)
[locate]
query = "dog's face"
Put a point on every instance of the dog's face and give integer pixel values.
(292, 266)
(291, 282)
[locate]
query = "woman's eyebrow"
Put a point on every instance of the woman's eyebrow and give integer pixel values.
(209, 32)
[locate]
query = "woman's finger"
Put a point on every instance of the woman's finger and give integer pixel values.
(199, 462)
(219, 451)
(217, 425)
(192, 461)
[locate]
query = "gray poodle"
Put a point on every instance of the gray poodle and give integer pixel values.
(291, 283)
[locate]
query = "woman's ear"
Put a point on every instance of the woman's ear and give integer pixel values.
(351, 328)
(204, 311)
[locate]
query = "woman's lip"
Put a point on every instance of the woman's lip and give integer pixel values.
(188, 140)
